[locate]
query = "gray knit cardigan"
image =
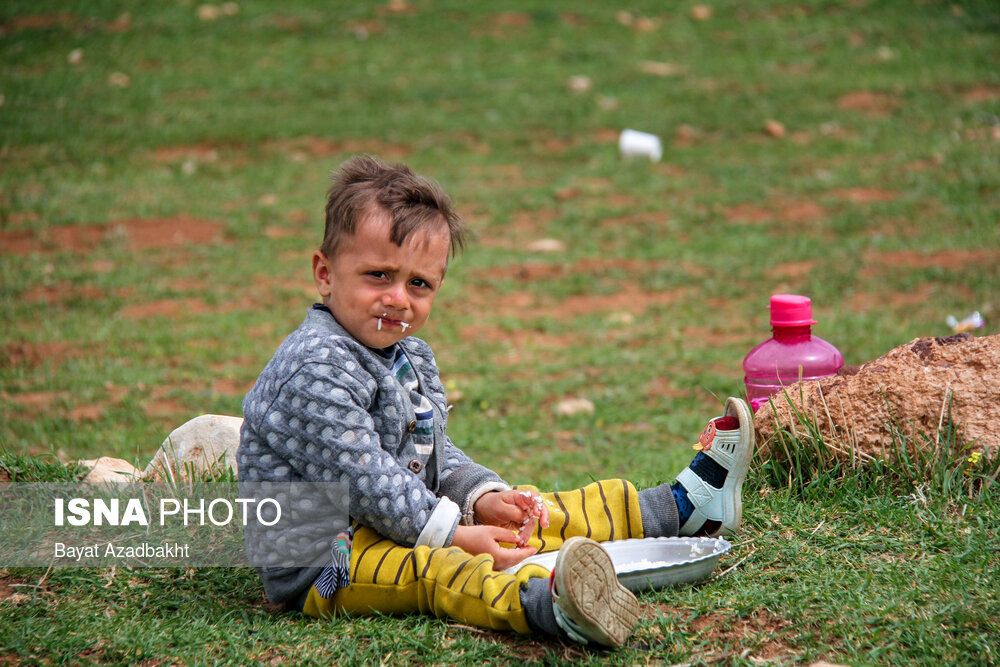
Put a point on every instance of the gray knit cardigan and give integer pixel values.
(327, 409)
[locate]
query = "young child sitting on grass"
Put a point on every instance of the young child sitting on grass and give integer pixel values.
(352, 397)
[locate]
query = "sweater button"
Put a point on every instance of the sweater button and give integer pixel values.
(411, 427)
(415, 466)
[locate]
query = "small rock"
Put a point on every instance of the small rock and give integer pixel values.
(229, 8)
(685, 134)
(122, 23)
(209, 12)
(75, 57)
(107, 470)
(574, 406)
(579, 83)
(774, 129)
(660, 69)
(546, 245)
(119, 80)
(701, 12)
(645, 25)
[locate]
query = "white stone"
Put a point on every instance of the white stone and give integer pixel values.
(108, 470)
(546, 245)
(203, 447)
(573, 406)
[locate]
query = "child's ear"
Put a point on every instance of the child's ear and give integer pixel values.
(322, 274)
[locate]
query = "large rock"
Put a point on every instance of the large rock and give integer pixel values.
(201, 449)
(912, 387)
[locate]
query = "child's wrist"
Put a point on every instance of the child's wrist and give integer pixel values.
(476, 520)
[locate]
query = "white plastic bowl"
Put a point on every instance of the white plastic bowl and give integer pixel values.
(654, 562)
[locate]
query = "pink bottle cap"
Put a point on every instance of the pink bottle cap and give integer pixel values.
(791, 310)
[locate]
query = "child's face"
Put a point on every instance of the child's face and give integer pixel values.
(378, 291)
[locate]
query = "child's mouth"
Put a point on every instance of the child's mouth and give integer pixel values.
(390, 323)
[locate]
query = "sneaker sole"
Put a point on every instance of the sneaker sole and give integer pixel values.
(733, 486)
(590, 594)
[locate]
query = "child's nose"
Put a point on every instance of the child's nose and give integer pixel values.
(395, 297)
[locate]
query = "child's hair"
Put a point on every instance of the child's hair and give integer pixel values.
(412, 202)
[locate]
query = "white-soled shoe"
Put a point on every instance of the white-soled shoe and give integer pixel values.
(589, 603)
(718, 509)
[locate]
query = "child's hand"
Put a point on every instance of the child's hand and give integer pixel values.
(486, 540)
(516, 510)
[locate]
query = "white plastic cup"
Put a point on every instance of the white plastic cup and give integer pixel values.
(633, 143)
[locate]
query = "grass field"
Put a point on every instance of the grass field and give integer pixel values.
(162, 173)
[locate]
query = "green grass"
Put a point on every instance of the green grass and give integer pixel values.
(880, 202)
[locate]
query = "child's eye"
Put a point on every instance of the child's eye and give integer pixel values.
(378, 274)
(420, 282)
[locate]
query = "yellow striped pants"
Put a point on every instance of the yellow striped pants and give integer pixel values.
(450, 583)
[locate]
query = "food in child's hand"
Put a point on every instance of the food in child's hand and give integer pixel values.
(534, 513)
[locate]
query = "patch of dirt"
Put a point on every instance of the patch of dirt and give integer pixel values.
(34, 354)
(165, 409)
(519, 338)
(551, 145)
(169, 233)
(925, 165)
(318, 147)
(539, 271)
(878, 261)
(230, 387)
(981, 93)
(606, 135)
(523, 226)
(275, 232)
(504, 24)
(792, 269)
(203, 152)
(21, 219)
(6, 590)
(880, 299)
(761, 628)
(630, 299)
(523, 649)
(708, 337)
(748, 214)
(37, 401)
(165, 308)
(42, 402)
(90, 413)
(864, 195)
(800, 211)
(660, 389)
(872, 104)
(780, 210)
(38, 22)
(650, 218)
(137, 235)
(63, 292)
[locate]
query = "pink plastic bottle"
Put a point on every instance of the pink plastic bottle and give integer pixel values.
(791, 354)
